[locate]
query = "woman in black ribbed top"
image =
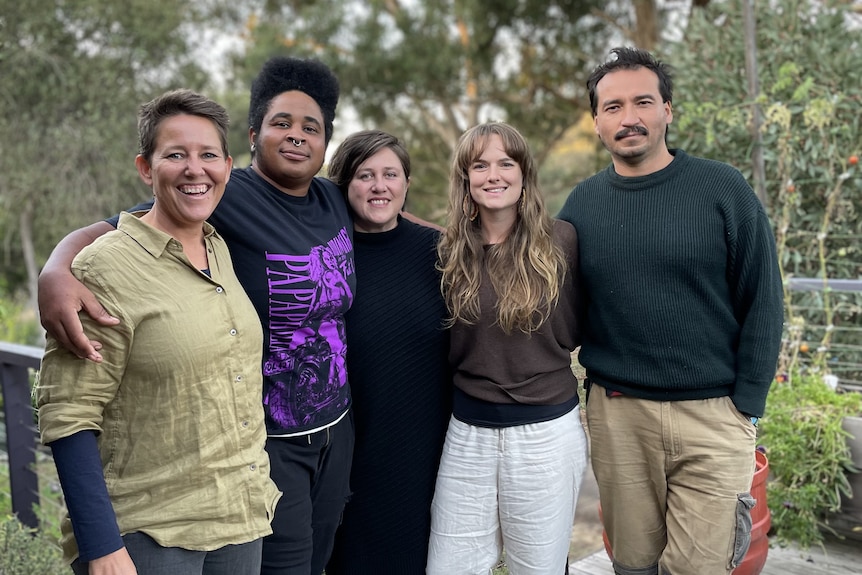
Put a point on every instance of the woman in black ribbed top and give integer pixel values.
(396, 362)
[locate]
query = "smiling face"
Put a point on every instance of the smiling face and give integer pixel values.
(290, 148)
(631, 121)
(496, 180)
(187, 173)
(377, 191)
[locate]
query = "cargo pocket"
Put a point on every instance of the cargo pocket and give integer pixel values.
(744, 503)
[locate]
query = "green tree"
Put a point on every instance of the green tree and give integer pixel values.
(74, 72)
(429, 69)
(811, 92)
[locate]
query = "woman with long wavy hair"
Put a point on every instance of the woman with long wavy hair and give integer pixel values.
(515, 450)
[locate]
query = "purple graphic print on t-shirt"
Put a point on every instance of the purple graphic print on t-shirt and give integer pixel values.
(306, 351)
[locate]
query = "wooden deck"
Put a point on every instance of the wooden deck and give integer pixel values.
(837, 558)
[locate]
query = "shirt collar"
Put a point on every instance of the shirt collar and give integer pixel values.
(153, 240)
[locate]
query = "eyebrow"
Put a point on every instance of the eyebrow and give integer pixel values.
(366, 169)
(637, 98)
(289, 116)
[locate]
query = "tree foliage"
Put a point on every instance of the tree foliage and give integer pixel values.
(74, 72)
(427, 70)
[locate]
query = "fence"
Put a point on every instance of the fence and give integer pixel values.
(824, 328)
(16, 361)
(22, 446)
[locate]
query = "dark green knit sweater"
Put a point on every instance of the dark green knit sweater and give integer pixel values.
(679, 270)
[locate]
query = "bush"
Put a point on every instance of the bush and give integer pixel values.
(24, 551)
(808, 455)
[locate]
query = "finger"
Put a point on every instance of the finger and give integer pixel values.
(95, 310)
(95, 356)
(81, 346)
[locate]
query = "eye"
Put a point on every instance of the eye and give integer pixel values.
(282, 124)
(174, 156)
(210, 156)
(478, 166)
(311, 129)
(392, 175)
(364, 177)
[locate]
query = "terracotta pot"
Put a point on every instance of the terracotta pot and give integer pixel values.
(761, 521)
(848, 520)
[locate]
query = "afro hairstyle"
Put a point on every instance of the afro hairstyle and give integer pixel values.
(284, 74)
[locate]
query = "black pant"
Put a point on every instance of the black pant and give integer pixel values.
(313, 473)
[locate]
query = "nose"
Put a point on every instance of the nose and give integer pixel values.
(194, 165)
(378, 185)
(630, 117)
(493, 172)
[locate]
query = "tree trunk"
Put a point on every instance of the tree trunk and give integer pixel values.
(25, 221)
(646, 30)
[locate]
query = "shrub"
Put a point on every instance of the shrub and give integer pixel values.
(808, 455)
(24, 551)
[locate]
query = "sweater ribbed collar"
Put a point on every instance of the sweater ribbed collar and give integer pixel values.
(636, 183)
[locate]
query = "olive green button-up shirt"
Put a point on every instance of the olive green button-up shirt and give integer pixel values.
(176, 401)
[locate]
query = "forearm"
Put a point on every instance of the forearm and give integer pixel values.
(61, 296)
(65, 251)
(760, 310)
(79, 468)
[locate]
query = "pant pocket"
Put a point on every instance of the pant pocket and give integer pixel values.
(742, 540)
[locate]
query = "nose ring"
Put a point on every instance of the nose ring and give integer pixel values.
(295, 142)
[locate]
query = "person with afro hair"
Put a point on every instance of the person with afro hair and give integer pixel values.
(290, 236)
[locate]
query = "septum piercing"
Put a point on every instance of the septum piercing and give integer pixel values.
(295, 142)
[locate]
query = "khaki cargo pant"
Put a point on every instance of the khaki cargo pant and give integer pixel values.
(674, 480)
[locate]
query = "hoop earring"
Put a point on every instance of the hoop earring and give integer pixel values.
(470, 209)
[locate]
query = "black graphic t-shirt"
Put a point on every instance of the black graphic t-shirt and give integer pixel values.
(294, 258)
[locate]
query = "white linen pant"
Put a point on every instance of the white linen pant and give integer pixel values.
(513, 488)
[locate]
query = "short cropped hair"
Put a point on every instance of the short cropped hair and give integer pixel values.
(357, 148)
(174, 103)
(632, 59)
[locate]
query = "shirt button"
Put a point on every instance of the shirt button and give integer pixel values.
(253, 467)
(245, 424)
(239, 378)
(233, 332)
(219, 289)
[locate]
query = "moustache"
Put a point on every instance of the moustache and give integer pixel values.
(640, 130)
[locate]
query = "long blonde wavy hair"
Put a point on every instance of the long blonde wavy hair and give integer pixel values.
(526, 269)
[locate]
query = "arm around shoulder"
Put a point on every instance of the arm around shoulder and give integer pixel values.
(61, 295)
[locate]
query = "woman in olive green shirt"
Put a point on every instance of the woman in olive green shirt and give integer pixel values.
(160, 446)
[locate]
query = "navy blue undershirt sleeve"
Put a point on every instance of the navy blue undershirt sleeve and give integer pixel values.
(79, 467)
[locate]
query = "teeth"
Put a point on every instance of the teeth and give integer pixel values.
(194, 190)
(379, 202)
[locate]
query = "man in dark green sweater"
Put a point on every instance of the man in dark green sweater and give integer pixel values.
(684, 322)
